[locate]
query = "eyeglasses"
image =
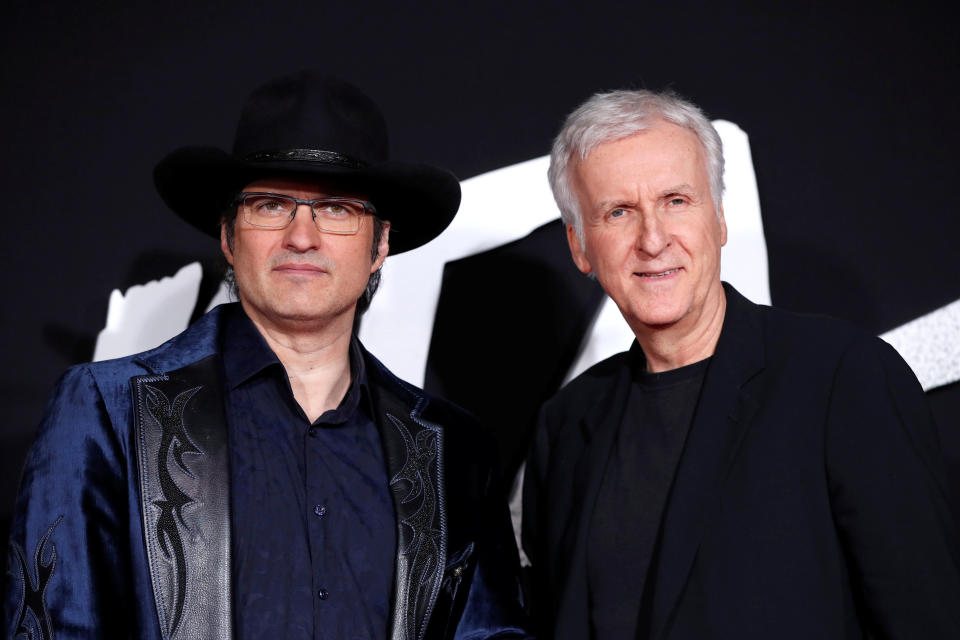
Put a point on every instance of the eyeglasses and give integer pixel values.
(341, 216)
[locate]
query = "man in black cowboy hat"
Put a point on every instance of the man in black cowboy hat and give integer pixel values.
(261, 474)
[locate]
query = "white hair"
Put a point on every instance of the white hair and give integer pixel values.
(607, 117)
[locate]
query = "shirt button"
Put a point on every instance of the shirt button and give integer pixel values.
(323, 594)
(320, 510)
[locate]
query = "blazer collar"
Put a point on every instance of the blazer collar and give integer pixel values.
(598, 429)
(413, 450)
(414, 453)
(183, 469)
(200, 340)
(721, 421)
(719, 424)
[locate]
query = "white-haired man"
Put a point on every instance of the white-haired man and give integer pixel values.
(741, 472)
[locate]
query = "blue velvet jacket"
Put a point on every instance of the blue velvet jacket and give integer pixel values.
(122, 523)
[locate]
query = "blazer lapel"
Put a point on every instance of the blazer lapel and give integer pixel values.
(184, 480)
(600, 427)
(413, 449)
(722, 419)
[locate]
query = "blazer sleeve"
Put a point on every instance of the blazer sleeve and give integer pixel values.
(66, 573)
(533, 529)
(889, 497)
(493, 606)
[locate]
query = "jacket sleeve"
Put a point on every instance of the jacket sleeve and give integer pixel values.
(533, 529)
(66, 568)
(889, 498)
(489, 567)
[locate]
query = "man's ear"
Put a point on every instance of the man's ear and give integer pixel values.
(723, 226)
(576, 250)
(224, 245)
(383, 248)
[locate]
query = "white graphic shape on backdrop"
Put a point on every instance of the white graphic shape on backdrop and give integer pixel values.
(497, 207)
(931, 345)
(149, 314)
(507, 204)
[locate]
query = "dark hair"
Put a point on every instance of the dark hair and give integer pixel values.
(228, 220)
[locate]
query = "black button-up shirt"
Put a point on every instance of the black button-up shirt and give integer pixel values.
(313, 526)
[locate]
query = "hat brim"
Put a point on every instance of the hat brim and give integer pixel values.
(420, 201)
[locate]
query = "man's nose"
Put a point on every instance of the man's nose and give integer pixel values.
(652, 236)
(302, 233)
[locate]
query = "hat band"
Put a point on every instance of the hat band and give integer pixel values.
(307, 155)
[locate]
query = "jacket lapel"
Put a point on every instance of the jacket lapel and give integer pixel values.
(184, 483)
(600, 427)
(722, 418)
(413, 450)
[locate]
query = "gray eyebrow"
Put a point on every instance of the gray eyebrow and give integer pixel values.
(683, 187)
(607, 204)
(680, 188)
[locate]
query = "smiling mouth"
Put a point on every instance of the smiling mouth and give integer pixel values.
(659, 274)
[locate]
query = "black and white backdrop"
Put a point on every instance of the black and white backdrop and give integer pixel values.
(847, 119)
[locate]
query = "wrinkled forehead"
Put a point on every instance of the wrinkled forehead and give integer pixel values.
(662, 153)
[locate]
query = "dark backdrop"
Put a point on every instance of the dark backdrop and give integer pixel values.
(851, 115)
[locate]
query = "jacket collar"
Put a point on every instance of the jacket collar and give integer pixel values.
(719, 424)
(599, 428)
(739, 354)
(200, 340)
(722, 419)
(413, 451)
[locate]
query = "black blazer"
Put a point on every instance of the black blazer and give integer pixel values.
(809, 502)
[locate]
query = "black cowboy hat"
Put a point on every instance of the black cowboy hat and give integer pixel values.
(313, 126)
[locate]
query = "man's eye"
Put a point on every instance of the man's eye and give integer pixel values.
(334, 210)
(618, 213)
(676, 202)
(268, 206)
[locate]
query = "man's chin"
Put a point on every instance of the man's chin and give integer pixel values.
(659, 324)
(660, 317)
(306, 312)
(314, 314)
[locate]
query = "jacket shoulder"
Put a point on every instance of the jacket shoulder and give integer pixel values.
(110, 373)
(88, 395)
(826, 351)
(784, 333)
(588, 388)
(815, 336)
(103, 388)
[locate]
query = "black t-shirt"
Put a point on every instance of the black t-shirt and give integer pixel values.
(636, 482)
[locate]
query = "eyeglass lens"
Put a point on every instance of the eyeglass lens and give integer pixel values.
(276, 212)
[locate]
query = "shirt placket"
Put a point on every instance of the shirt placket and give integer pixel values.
(321, 508)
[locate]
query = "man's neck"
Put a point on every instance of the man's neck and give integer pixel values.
(316, 358)
(675, 346)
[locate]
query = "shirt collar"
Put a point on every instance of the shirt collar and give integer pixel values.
(358, 389)
(638, 369)
(246, 354)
